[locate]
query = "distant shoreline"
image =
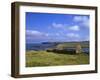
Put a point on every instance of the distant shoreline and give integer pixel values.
(48, 42)
(58, 45)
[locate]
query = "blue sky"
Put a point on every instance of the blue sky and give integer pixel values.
(47, 27)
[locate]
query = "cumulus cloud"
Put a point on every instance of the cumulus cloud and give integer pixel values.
(80, 18)
(35, 34)
(72, 35)
(83, 20)
(74, 28)
(58, 25)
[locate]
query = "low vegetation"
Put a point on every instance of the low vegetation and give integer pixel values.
(45, 58)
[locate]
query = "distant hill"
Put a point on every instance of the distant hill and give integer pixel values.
(69, 44)
(57, 45)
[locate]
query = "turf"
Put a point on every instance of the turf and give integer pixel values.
(44, 58)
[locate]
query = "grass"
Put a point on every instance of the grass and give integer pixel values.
(44, 58)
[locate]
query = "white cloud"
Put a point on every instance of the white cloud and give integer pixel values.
(47, 34)
(57, 34)
(35, 34)
(74, 28)
(71, 35)
(83, 20)
(80, 18)
(86, 23)
(52, 34)
(58, 25)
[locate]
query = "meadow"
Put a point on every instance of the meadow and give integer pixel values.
(44, 58)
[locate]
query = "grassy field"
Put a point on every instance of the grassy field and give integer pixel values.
(44, 58)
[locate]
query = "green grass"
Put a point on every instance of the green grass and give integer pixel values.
(43, 58)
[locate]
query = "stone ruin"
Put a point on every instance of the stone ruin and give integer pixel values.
(78, 49)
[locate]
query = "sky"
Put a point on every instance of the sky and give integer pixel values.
(51, 27)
